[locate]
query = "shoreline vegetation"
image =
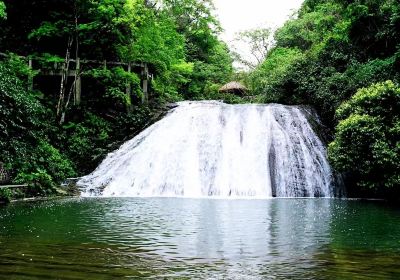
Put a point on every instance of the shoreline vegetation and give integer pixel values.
(340, 57)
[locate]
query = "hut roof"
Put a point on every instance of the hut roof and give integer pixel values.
(233, 86)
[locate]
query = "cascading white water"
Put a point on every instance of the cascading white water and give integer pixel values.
(203, 149)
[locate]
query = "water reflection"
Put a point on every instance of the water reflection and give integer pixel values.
(182, 238)
(216, 229)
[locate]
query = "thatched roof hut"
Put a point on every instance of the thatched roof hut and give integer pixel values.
(233, 87)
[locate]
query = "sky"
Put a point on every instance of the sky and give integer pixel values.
(239, 15)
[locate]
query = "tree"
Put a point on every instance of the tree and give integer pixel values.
(209, 57)
(272, 71)
(63, 27)
(86, 22)
(367, 139)
(323, 57)
(259, 41)
(313, 27)
(155, 40)
(24, 120)
(177, 39)
(196, 23)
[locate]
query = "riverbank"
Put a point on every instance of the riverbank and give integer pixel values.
(16, 193)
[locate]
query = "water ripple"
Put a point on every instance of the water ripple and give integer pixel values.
(191, 239)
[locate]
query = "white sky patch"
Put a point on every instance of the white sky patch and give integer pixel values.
(240, 15)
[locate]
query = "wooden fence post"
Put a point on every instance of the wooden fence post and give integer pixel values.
(64, 73)
(30, 78)
(78, 82)
(129, 91)
(145, 76)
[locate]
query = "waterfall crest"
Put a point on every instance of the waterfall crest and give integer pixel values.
(208, 148)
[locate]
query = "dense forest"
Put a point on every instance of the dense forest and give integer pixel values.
(45, 135)
(343, 57)
(340, 56)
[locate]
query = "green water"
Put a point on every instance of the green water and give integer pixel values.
(199, 239)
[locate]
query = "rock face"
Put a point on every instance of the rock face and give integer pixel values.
(203, 149)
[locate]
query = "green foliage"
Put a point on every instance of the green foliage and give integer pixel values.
(47, 60)
(169, 83)
(3, 13)
(312, 28)
(216, 70)
(268, 76)
(322, 58)
(126, 126)
(333, 65)
(19, 67)
(40, 183)
(5, 195)
(158, 43)
(367, 140)
(24, 120)
(89, 138)
(47, 29)
(174, 38)
(85, 142)
(195, 21)
(20, 113)
(40, 158)
(212, 62)
(114, 82)
(178, 39)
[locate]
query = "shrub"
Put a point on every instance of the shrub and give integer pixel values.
(85, 142)
(367, 140)
(5, 195)
(24, 128)
(40, 183)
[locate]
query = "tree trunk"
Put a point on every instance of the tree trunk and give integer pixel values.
(64, 79)
(63, 104)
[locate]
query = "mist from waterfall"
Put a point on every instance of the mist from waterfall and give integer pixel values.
(212, 149)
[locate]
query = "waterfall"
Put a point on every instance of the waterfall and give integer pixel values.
(208, 148)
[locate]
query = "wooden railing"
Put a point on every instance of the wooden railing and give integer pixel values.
(56, 70)
(13, 186)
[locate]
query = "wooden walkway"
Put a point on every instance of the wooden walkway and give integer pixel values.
(57, 70)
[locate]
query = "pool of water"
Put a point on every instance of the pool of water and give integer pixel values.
(166, 238)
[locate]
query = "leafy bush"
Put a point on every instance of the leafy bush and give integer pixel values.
(269, 76)
(88, 138)
(5, 195)
(39, 183)
(19, 67)
(114, 82)
(39, 160)
(367, 140)
(85, 141)
(3, 13)
(126, 126)
(24, 126)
